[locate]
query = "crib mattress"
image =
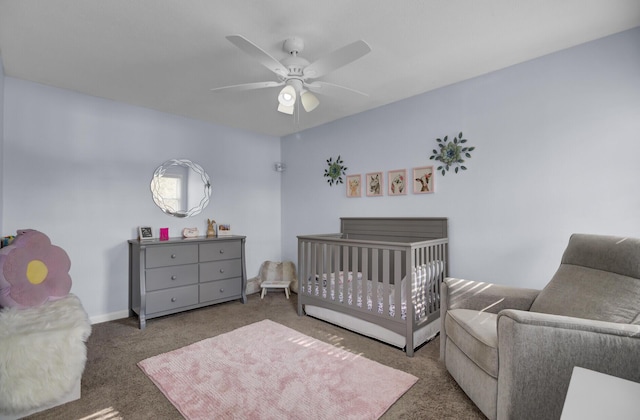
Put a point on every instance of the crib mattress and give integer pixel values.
(422, 279)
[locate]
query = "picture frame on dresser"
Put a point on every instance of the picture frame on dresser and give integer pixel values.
(224, 229)
(145, 233)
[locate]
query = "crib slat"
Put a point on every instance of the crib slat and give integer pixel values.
(336, 271)
(397, 286)
(364, 263)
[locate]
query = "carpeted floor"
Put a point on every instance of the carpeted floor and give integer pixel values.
(113, 383)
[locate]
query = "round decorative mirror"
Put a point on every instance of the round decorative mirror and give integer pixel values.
(180, 188)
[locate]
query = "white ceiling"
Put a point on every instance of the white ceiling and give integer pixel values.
(167, 54)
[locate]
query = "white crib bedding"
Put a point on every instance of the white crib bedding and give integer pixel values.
(422, 279)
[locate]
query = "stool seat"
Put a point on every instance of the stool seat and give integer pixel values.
(42, 356)
(275, 284)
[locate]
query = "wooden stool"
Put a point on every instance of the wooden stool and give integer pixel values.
(275, 284)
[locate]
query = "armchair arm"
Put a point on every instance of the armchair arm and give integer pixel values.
(537, 353)
(487, 297)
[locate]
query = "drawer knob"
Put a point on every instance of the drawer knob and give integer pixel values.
(222, 251)
(222, 270)
(173, 299)
(173, 255)
(221, 290)
(173, 277)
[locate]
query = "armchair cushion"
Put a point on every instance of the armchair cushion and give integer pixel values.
(597, 279)
(476, 334)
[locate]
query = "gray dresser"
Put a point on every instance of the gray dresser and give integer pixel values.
(171, 276)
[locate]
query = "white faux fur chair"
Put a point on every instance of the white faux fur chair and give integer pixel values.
(270, 270)
(42, 356)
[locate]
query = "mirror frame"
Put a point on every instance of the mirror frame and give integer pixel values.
(159, 200)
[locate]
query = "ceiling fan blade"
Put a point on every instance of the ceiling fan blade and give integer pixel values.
(326, 88)
(337, 59)
(259, 54)
(249, 86)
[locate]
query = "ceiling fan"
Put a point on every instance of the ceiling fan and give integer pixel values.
(296, 74)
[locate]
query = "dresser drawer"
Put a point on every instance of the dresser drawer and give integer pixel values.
(173, 276)
(220, 250)
(162, 256)
(220, 289)
(218, 270)
(168, 299)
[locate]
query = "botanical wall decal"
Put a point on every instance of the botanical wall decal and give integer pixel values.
(451, 153)
(335, 171)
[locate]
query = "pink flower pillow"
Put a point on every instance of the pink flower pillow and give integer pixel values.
(32, 271)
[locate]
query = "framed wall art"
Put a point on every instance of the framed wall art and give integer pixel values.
(423, 182)
(398, 182)
(374, 184)
(354, 185)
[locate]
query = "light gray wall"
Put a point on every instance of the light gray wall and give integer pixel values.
(557, 145)
(1, 140)
(78, 168)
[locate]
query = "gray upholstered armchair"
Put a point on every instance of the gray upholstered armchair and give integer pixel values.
(513, 350)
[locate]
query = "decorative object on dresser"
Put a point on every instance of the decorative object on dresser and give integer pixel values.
(211, 228)
(181, 274)
(164, 234)
(379, 277)
(268, 371)
(145, 233)
(224, 229)
(190, 232)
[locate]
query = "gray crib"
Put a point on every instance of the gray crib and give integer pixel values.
(379, 277)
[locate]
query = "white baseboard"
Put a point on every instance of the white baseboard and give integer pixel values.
(109, 317)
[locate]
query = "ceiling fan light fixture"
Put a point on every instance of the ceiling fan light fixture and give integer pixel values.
(285, 109)
(287, 96)
(309, 101)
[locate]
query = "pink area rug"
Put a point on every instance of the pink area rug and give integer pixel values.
(268, 371)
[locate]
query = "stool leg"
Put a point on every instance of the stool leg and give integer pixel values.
(264, 292)
(286, 292)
